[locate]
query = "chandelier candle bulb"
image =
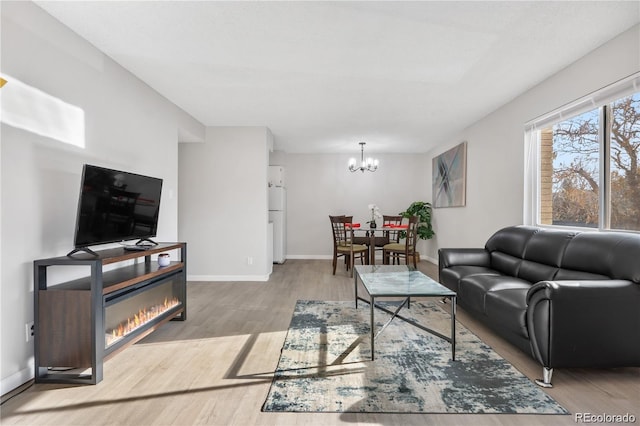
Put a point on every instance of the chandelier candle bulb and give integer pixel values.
(370, 164)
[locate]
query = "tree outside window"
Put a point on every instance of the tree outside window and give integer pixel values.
(624, 164)
(570, 184)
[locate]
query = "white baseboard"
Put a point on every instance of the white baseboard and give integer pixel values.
(310, 256)
(315, 256)
(17, 379)
(329, 257)
(430, 259)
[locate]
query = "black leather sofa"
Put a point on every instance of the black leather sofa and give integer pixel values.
(569, 299)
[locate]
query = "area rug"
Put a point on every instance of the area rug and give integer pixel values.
(325, 366)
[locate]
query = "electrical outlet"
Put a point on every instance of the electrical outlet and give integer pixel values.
(29, 331)
(249, 260)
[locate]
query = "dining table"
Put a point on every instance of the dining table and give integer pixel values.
(370, 233)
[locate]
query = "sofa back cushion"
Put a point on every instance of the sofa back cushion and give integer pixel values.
(534, 271)
(507, 246)
(612, 254)
(536, 254)
(543, 255)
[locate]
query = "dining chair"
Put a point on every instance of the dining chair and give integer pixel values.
(389, 237)
(343, 245)
(406, 249)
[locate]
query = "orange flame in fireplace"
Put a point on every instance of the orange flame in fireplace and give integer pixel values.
(139, 319)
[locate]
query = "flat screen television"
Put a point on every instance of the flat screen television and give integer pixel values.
(114, 206)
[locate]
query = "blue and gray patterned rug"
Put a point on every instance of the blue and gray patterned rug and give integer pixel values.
(325, 366)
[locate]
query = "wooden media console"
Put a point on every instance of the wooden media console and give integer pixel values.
(80, 323)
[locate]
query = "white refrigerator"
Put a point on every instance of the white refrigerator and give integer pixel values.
(278, 216)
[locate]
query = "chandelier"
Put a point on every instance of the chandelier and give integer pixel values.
(370, 164)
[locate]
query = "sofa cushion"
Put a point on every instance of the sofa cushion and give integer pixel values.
(605, 253)
(450, 277)
(507, 247)
(543, 255)
(472, 290)
(534, 271)
(505, 263)
(508, 307)
(511, 240)
(547, 247)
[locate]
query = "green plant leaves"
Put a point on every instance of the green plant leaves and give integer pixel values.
(422, 209)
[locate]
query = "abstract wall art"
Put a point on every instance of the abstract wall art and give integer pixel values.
(450, 177)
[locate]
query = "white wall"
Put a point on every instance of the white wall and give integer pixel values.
(224, 205)
(319, 185)
(495, 156)
(128, 126)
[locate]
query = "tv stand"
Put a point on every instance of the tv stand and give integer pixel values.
(142, 240)
(82, 322)
(81, 249)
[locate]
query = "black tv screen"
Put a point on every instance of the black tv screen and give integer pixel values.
(116, 206)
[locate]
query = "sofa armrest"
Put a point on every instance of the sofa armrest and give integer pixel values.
(584, 323)
(448, 257)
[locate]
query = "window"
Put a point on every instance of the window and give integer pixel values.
(569, 172)
(587, 164)
(624, 163)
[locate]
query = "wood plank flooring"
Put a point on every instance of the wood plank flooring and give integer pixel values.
(215, 368)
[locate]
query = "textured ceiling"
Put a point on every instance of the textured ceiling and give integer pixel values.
(402, 76)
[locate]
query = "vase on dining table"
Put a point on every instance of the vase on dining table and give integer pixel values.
(375, 213)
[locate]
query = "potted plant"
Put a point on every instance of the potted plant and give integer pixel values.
(375, 214)
(422, 209)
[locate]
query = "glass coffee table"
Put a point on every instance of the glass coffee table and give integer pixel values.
(406, 282)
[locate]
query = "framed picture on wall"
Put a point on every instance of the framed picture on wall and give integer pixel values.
(450, 177)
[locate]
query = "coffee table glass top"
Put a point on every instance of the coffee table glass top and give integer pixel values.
(399, 280)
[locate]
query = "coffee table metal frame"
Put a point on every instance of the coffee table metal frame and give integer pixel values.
(406, 282)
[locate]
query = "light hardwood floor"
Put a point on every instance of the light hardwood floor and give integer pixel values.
(215, 368)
